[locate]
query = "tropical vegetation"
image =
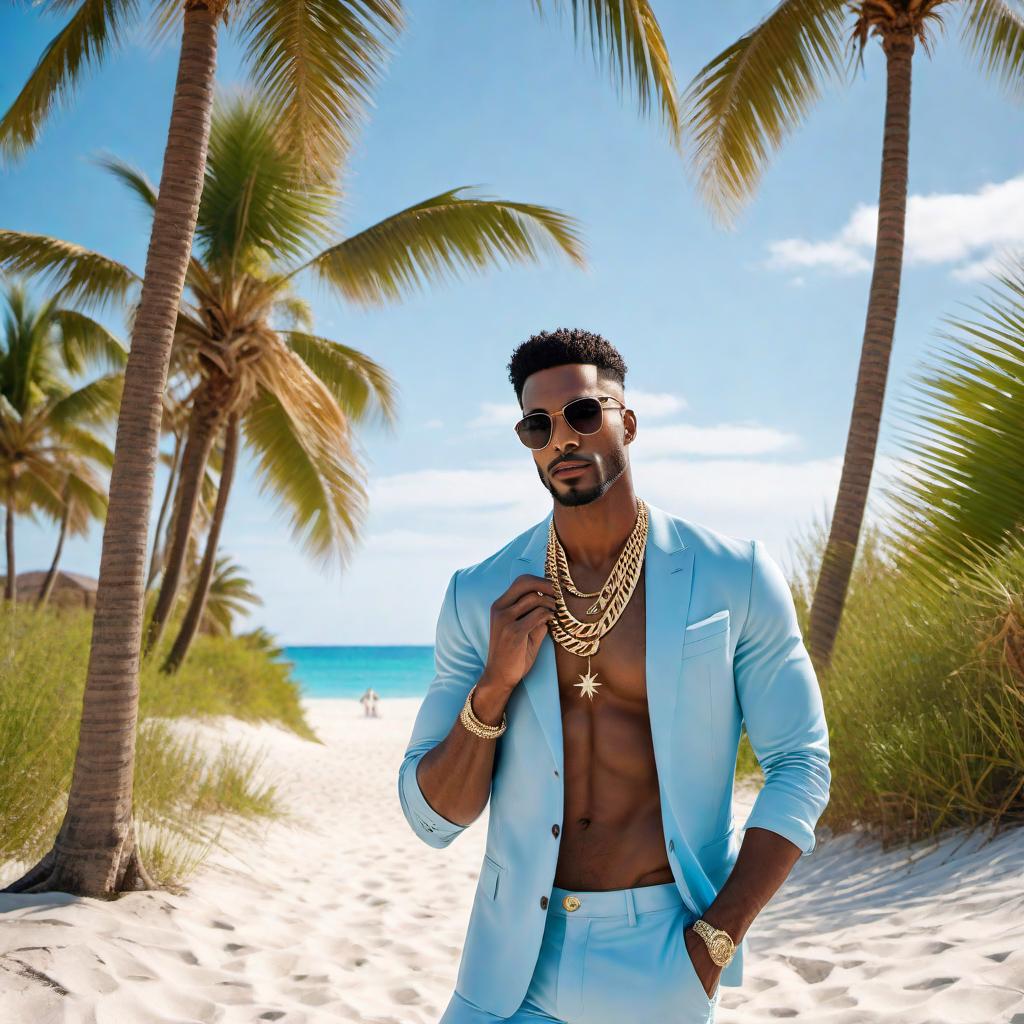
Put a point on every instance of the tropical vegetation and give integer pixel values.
(52, 452)
(741, 106)
(315, 61)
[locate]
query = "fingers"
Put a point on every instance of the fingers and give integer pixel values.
(525, 584)
(527, 603)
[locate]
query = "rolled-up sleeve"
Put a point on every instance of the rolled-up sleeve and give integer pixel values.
(782, 707)
(457, 667)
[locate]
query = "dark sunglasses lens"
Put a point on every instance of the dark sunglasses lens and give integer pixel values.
(534, 430)
(584, 415)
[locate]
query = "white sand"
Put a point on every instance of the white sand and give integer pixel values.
(344, 915)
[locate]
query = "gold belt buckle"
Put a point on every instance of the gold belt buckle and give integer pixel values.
(571, 903)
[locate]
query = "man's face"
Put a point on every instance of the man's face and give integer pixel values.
(603, 454)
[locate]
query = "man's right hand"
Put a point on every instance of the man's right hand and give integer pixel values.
(519, 619)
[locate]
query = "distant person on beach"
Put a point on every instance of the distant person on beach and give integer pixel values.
(621, 648)
(369, 701)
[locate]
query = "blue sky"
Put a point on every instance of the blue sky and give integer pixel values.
(742, 344)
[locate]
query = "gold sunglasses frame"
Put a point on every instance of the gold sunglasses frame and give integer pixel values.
(561, 412)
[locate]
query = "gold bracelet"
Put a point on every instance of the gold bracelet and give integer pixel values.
(475, 726)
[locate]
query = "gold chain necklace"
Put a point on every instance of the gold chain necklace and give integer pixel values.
(584, 638)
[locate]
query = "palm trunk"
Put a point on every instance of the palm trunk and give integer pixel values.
(10, 584)
(204, 423)
(862, 439)
(51, 576)
(194, 614)
(158, 547)
(95, 852)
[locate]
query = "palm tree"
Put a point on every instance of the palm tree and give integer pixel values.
(316, 60)
(246, 336)
(47, 450)
(83, 504)
(230, 594)
(741, 106)
(173, 421)
(961, 491)
(256, 232)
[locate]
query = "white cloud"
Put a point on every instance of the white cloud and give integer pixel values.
(433, 522)
(721, 439)
(798, 252)
(496, 414)
(653, 404)
(497, 485)
(963, 229)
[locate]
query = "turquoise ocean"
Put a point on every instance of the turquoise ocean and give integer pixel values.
(346, 671)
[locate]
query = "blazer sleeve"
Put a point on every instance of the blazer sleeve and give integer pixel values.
(782, 708)
(457, 667)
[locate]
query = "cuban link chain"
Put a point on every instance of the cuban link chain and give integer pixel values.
(584, 638)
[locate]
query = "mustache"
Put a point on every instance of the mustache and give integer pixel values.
(567, 458)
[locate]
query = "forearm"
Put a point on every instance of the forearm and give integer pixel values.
(764, 862)
(455, 775)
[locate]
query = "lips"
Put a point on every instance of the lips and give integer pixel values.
(568, 467)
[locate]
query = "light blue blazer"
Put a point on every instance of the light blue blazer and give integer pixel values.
(723, 648)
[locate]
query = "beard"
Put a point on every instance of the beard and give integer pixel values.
(607, 470)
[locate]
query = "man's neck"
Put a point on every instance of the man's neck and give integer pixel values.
(594, 534)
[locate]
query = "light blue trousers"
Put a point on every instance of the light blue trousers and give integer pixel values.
(619, 957)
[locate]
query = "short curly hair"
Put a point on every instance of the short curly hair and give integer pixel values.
(561, 346)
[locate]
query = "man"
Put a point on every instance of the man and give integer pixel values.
(369, 701)
(614, 887)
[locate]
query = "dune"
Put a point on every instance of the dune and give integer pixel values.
(339, 913)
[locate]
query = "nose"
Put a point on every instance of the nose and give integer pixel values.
(563, 436)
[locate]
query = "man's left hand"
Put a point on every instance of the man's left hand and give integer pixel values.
(707, 970)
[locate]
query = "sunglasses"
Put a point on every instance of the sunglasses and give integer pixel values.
(584, 415)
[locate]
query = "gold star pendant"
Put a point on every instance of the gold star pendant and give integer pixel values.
(588, 687)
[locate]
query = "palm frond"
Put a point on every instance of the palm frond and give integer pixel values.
(317, 62)
(88, 343)
(79, 275)
(84, 442)
(441, 238)
(231, 593)
(293, 313)
(39, 487)
(743, 103)
(320, 495)
(255, 207)
(359, 385)
(96, 27)
(962, 486)
(96, 402)
(627, 35)
(993, 30)
(132, 178)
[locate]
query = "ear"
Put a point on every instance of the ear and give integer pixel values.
(629, 425)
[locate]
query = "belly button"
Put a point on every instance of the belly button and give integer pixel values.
(584, 822)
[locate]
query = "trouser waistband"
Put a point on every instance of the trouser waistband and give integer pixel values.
(614, 902)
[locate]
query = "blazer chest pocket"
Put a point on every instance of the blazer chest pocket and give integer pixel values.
(490, 875)
(707, 635)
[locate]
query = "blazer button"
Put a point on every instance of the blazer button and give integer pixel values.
(556, 771)
(671, 844)
(543, 903)
(554, 830)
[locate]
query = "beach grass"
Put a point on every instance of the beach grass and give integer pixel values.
(183, 792)
(925, 694)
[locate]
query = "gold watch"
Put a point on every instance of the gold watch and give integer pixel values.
(719, 942)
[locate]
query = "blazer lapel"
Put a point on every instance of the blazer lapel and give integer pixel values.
(668, 574)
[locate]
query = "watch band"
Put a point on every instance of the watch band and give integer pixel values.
(719, 942)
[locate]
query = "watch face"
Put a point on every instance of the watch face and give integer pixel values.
(721, 948)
